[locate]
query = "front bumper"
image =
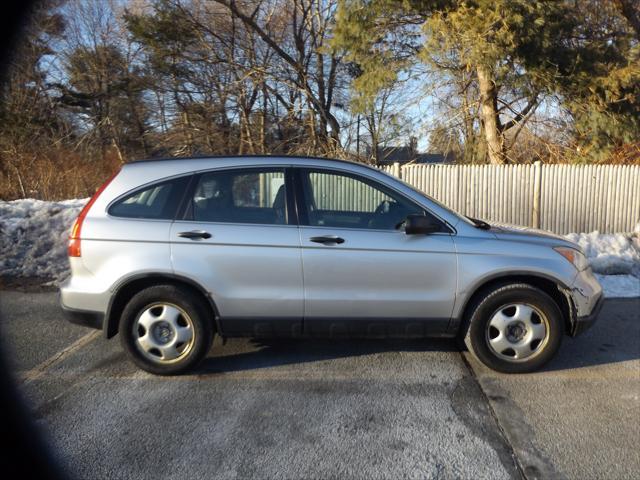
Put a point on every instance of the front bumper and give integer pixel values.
(587, 298)
(585, 322)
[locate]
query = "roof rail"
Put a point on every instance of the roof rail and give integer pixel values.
(207, 157)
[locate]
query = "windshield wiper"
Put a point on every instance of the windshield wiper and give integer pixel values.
(481, 224)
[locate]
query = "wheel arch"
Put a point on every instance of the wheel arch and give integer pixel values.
(126, 289)
(553, 287)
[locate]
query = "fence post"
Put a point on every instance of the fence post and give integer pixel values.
(396, 170)
(537, 192)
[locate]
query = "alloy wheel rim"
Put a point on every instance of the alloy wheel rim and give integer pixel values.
(163, 333)
(517, 332)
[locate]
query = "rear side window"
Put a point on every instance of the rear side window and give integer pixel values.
(240, 196)
(158, 202)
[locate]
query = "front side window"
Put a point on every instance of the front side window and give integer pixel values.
(240, 196)
(335, 199)
(157, 202)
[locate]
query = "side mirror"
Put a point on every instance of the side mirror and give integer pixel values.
(416, 224)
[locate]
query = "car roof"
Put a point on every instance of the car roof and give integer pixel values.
(179, 165)
(266, 159)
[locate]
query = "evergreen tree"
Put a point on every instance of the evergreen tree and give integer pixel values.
(518, 50)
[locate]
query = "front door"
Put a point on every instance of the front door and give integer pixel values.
(238, 241)
(362, 273)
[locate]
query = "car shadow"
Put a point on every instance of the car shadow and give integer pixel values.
(614, 338)
(279, 352)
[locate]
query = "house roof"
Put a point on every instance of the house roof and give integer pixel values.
(388, 155)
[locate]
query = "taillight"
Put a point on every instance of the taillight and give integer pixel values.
(73, 249)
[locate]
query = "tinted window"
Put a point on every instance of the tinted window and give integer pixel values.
(241, 196)
(159, 201)
(334, 199)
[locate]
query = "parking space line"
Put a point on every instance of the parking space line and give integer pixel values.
(40, 369)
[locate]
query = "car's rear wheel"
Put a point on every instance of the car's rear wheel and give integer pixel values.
(166, 329)
(514, 328)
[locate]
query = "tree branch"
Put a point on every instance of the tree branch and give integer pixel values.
(519, 116)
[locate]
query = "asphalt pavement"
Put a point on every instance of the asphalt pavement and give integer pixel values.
(320, 409)
(583, 409)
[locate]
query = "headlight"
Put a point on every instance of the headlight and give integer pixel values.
(576, 257)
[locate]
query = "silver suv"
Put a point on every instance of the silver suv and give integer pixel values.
(169, 253)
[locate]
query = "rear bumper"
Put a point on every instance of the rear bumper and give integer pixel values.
(85, 318)
(82, 304)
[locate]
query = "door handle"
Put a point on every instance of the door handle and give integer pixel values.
(195, 234)
(325, 239)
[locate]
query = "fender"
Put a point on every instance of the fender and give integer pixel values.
(116, 304)
(515, 275)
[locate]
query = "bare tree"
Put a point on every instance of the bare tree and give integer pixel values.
(302, 46)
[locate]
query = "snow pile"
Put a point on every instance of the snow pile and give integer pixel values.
(33, 237)
(615, 259)
(611, 254)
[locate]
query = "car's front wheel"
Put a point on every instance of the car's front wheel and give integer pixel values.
(166, 329)
(514, 328)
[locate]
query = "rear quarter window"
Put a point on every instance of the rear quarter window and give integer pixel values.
(159, 201)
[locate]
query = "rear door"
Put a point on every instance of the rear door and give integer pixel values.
(362, 273)
(238, 238)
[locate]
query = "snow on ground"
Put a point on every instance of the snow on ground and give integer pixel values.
(33, 243)
(617, 286)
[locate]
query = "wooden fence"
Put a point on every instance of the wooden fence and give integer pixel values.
(559, 198)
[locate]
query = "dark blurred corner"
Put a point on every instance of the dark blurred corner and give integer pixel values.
(23, 453)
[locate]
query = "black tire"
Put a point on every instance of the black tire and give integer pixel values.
(477, 332)
(199, 323)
